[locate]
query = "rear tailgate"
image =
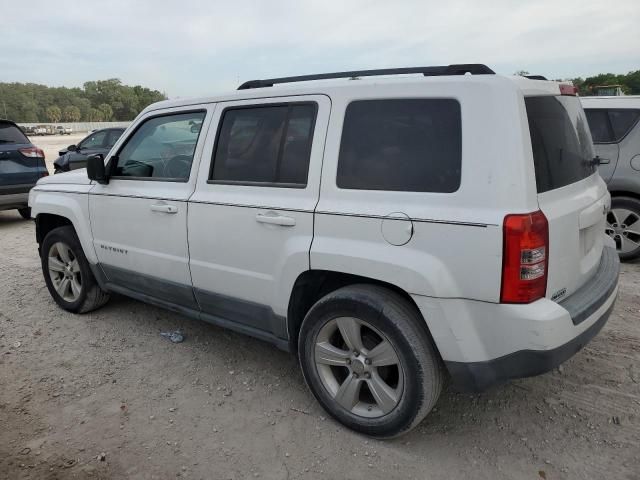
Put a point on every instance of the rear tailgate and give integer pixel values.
(571, 194)
(16, 167)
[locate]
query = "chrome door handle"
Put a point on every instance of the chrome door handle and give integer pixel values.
(164, 208)
(275, 219)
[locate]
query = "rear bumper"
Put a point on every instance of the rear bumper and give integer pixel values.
(488, 344)
(14, 196)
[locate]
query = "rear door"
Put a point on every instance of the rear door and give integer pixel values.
(251, 216)
(570, 193)
(17, 169)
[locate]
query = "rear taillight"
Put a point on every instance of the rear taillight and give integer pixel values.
(32, 152)
(525, 258)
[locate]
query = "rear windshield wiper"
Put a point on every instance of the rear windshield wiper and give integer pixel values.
(7, 141)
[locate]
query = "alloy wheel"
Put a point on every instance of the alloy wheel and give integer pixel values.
(359, 367)
(64, 271)
(623, 226)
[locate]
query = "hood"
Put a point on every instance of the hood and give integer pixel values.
(74, 177)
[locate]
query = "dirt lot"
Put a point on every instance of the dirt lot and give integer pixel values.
(103, 395)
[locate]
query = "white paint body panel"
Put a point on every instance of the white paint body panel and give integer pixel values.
(68, 201)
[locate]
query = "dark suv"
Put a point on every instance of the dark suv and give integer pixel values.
(75, 156)
(21, 165)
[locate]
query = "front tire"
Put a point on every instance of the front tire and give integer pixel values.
(368, 359)
(67, 272)
(623, 226)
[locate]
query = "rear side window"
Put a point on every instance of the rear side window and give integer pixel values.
(611, 125)
(561, 142)
(265, 145)
(622, 121)
(410, 145)
(11, 134)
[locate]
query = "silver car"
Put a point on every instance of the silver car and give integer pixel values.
(616, 135)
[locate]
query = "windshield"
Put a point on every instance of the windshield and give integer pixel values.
(561, 142)
(11, 134)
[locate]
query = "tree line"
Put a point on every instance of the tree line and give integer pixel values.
(96, 101)
(629, 82)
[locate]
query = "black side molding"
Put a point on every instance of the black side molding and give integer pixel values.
(435, 71)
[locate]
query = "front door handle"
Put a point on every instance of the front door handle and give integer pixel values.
(164, 208)
(275, 219)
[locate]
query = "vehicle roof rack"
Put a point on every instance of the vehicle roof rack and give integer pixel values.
(458, 69)
(535, 77)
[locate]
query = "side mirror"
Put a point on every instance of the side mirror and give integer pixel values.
(96, 169)
(72, 148)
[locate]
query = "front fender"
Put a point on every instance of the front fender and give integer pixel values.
(70, 203)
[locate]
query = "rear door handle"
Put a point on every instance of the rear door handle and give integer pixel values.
(275, 219)
(164, 208)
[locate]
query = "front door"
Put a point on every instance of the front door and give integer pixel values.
(139, 219)
(251, 216)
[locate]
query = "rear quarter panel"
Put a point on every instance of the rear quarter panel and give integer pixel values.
(455, 250)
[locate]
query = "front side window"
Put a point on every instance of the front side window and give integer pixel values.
(265, 145)
(95, 140)
(113, 137)
(410, 145)
(161, 148)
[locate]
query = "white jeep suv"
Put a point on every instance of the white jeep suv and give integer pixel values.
(389, 230)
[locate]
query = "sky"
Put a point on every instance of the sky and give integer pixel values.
(194, 48)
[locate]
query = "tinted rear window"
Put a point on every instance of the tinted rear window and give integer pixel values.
(411, 145)
(561, 142)
(11, 134)
(622, 121)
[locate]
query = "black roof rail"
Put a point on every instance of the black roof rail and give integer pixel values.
(535, 77)
(459, 69)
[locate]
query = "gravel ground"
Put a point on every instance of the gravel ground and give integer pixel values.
(103, 395)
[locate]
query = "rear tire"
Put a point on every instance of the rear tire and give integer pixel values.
(25, 213)
(67, 272)
(623, 226)
(367, 357)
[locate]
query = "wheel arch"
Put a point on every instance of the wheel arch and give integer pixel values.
(53, 209)
(625, 193)
(312, 285)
